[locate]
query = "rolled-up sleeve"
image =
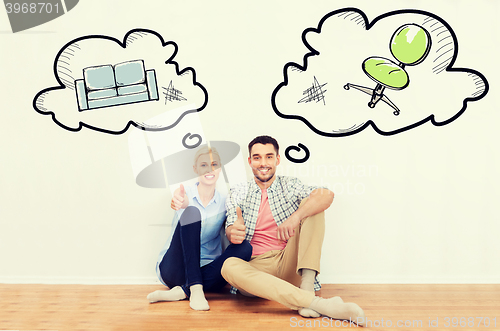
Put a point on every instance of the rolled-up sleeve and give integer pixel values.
(235, 199)
(231, 208)
(297, 190)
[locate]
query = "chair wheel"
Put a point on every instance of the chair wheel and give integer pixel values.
(346, 87)
(396, 112)
(371, 104)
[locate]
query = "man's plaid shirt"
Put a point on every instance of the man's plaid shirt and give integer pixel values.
(285, 195)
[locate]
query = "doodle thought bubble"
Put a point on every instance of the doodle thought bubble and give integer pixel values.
(393, 74)
(108, 85)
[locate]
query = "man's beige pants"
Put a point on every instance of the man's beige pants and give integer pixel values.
(274, 275)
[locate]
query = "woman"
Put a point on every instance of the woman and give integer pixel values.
(191, 260)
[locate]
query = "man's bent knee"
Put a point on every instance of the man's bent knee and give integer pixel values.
(229, 265)
(319, 217)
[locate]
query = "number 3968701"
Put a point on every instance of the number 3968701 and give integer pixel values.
(31, 8)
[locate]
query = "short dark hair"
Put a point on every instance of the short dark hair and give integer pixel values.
(264, 140)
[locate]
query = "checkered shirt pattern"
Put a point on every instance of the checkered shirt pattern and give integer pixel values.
(285, 195)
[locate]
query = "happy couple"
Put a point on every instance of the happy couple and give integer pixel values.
(275, 225)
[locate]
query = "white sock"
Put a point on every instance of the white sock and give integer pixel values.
(174, 294)
(339, 310)
(308, 277)
(197, 300)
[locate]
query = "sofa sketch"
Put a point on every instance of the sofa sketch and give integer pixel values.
(113, 85)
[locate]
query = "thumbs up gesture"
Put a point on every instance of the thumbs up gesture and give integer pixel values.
(180, 199)
(237, 230)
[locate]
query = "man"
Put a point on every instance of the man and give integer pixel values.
(284, 222)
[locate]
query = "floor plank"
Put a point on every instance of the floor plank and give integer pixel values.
(124, 307)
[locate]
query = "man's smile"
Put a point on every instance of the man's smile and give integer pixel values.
(264, 171)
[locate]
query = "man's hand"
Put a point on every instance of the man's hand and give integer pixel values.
(180, 199)
(287, 229)
(237, 231)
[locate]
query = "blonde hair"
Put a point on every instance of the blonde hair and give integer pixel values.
(206, 150)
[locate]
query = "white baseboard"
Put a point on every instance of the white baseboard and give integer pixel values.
(324, 280)
(80, 280)
(356, 279)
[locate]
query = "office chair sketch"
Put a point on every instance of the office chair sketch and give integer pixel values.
(410, 45)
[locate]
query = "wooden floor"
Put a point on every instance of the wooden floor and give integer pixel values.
(120, 307)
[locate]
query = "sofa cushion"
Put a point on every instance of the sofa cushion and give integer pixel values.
(130, 73)
(132, 89)
(100, 77)
(120, 100)
(100, 94)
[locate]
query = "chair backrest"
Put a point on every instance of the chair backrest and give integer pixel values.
(410, 44)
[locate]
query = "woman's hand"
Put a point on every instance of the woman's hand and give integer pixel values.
(180, 199)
